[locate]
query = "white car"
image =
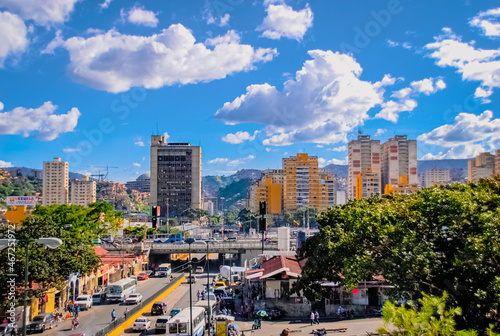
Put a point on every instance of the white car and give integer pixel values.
(84, 302)
(134, 299)
(142, 323)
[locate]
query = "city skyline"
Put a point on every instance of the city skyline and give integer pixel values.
(251, 83)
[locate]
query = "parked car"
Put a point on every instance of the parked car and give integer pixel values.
(98, 298)
(175, 311)
(128, 240)
(191, 279)
(142, 276)
(41, 322)
(199, 269)
(221, 291)
(142, 323)
(133, 298)
(84, 302)
(161, 324)
(159, 308)
(228, 302)
(6, 329)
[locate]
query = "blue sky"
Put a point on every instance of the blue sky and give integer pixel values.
(249, 81)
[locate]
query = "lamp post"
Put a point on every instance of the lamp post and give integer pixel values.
(208, 293)
(190, 241)
(50, 242)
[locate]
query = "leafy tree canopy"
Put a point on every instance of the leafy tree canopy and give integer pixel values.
(443, 238)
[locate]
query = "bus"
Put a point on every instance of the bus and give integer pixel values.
(164, 270)
(167, 237)
(180, 326)
(120, 290)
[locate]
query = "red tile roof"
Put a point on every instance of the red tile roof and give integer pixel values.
(100, 251)
(282, 265)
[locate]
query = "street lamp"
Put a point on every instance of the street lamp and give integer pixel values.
(49, 242)
(190, 241)
(208, 292)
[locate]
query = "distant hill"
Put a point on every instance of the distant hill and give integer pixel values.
(29, 172)
(339, 170)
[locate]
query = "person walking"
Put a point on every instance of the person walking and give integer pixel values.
(316, 316)
(125, 313)
(313, 317)
(113, 316)
(198, 295)
(77, 311)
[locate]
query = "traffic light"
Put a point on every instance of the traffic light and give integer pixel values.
(262, 224)
(155, 213)
(262, 208)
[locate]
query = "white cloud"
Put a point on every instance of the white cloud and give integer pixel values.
(71, 150)
(467, 129)
(405, 45)
(458, 152)
(324, 102)
(338, 149)
(115, 62)
(321, 162)
(139, 143)
(380, 131)
(240, 161)
(428, 86)
(105, 4)
(55, 43)
(13, 39)
(483, 93)
(391, 109)
(140, 16)
(221, 21)
(138, 165)
(218, 160)
(166, 136)
(44, 12)
(239, 137)
(41, 121)
(226, 172)
(337, 162)
(474, 64)
(488, 22)
(283, 21)
(5, 164)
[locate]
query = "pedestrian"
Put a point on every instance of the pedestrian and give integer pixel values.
(198, 295)
(312, 317)
(125, 313)
(13, 331)
(77, 311)
(113, 316)
(316, 316)
(5, 321)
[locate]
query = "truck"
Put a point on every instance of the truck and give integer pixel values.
(236, 273)
(84, 302)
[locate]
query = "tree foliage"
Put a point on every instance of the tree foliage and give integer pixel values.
(443, 238)
(248, 219)
(75, 225)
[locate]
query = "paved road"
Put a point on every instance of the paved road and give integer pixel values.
(99, 316)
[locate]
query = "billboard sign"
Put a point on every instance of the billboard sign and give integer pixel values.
(21, 200)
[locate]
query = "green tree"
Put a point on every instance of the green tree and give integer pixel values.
(443, 238)
(248, 219)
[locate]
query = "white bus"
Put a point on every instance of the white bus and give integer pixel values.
(179, 324)
(120, 290)
(164, 270)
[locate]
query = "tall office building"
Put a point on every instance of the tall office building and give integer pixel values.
(482, 166)
(55, 182)
(83, 192)
(175, 176)
(328, 189)
(363, 178)
(399, 163)
(435, 176)
(302, 186)
(266, 190)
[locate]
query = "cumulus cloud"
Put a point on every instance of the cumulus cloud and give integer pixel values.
(239, 137)
(218, 160)
(139, 143)
(475, 64)
(166, 136)
(140, 16)
(44, 12)
(337, 162)
(393, 44)
(115, 62)
(5, 164)
(338, 149)
(55, 43)
(138, 165)
(405, 98)
(458, 152)
(105, 4)
(240, 161)
(283, 21)
(71, 150)
(467, 129)
(380, 131)
(13, 39)
(324, 102)
(41, 121)
(483, 93)
(488, 22)
(221, 21)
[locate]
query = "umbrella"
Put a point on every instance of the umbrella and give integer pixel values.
(261, 313)
(232, 326)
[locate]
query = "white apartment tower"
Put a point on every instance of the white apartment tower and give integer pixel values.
(436, 176)
(55, 182)
(399, 161)
(363, 178)
(83, 192)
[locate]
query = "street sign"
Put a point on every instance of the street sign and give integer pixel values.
(21, 200)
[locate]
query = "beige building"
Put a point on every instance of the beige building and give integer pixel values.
(83, 192)
(328, 189)
(364, 170)
(481, 167)
(55, 182)
(302, 183)
(435, 176)
(497, 162)
(175, 176)
(399, 162)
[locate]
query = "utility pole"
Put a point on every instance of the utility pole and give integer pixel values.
(262, 222)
